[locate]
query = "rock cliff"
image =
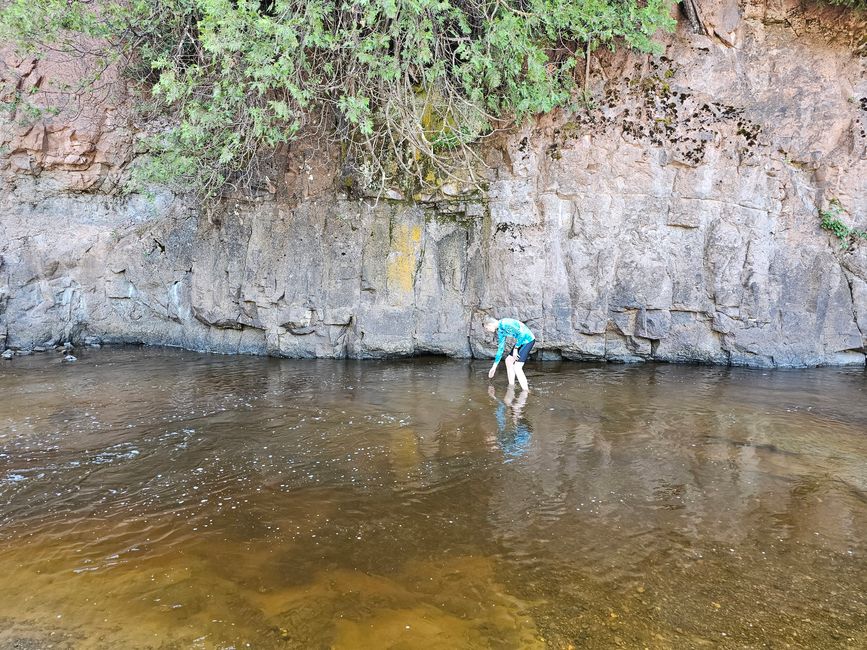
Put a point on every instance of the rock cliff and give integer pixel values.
(676, 219)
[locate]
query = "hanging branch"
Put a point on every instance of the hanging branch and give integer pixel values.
(405, 90)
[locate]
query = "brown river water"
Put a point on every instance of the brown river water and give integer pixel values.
(164, 499)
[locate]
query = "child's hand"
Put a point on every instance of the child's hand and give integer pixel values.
(491, 372)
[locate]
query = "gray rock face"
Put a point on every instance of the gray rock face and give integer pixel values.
(677, 221)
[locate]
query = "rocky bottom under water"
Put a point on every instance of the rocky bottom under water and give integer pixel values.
(163, 499)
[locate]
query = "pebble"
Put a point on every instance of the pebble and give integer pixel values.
(70, 358)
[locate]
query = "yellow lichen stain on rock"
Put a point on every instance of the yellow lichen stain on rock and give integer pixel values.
(402, 259)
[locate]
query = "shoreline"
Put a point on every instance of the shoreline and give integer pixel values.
(539, 356)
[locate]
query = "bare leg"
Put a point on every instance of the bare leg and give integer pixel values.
(522, 378)
(510, 369)
(518, 405)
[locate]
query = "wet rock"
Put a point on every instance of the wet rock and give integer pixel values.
(8, 354)
(70, 358)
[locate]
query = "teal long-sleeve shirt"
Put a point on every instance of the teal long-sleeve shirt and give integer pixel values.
(509, 327)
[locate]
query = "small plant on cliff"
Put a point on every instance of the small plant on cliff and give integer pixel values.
(832, 223)
(401, 87)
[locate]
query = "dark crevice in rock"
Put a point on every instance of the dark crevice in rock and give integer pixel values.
(692, 15)
(855, 310)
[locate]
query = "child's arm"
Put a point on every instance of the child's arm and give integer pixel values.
(501, 335)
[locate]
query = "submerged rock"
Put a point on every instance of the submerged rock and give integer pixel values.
(70, 358)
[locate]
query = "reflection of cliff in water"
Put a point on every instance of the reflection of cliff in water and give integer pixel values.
(690, 454)
(324, 501)
(673, 479)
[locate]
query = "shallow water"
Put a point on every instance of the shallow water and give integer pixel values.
(158, 498)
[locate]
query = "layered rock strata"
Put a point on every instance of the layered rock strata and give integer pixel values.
(677, 219)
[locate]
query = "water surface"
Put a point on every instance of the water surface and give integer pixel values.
(164, 499)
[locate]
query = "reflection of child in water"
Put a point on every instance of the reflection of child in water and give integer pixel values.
(513, 440)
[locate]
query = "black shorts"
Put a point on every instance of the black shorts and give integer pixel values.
(524, 351)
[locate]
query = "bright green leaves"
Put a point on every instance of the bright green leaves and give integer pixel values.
(24, 19)
(523, 62)
(405, 84)
(830, 221)
(357, 112)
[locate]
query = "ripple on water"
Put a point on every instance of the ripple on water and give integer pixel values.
(217, 501)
